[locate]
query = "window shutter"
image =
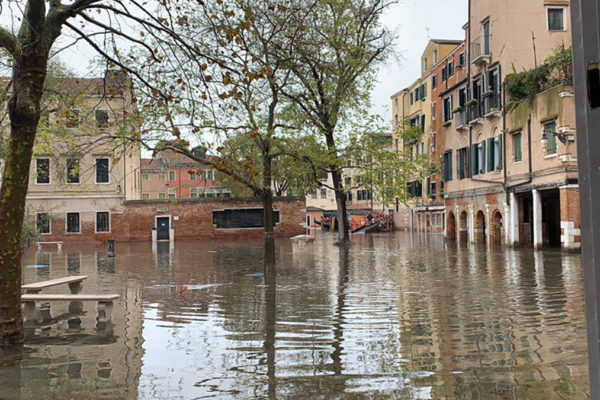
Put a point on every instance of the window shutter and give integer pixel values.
(500, 151)
(444, 167)
(490, 154)
(474, 166)
(450, 165)
(482, 161)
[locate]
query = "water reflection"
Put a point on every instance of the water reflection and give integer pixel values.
(396, 316)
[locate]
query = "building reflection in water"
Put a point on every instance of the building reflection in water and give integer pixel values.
(395, 316)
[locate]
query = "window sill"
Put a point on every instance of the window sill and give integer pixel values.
(43, 184)
(518, 162)
(101, 232)
(102, 183)
(555, 155)
(73, 233)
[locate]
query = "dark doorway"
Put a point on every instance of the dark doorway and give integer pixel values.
(451, 227)
(551, 217)
(480, 233)
(162, 228)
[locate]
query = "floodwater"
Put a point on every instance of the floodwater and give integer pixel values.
(397, 316)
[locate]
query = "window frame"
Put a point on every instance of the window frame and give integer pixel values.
(100, 125)
(49, 171)
(78, 223)
(551, 136)
(107, 171)
(37, 222)
(69, 175)
(145, 196)
(70, 121)
(564, 18)
(514, 147)
(96, 221)
(172, 173)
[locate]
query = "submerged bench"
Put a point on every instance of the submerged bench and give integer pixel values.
(103, 308)
(58, 245)
(74, 283)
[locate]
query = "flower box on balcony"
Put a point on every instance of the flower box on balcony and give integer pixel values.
(447, 124)
(471, 102)
(458, 109)
(488, 93)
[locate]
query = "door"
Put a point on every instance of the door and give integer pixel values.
(162, 228)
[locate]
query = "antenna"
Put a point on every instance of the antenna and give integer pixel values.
(428, 35)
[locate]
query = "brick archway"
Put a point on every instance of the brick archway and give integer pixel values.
(479, 232)
(496, 231)
(451, 227)
(463, 227)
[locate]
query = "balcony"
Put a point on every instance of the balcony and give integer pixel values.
(492, 105)
(473, 113)
(461, 120)
(480, 52)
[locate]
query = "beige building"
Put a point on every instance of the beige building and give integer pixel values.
(80, 174)
(414, 106)
(510, 170)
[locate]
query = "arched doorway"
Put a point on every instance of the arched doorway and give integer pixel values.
(496, 228)
(451, 227)
(479, 231)
(463, 227)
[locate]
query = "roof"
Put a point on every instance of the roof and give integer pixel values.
(446, 41)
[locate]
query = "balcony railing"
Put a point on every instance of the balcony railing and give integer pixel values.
(461, 119)
(479, 53)
(491, 105)
(473, 112)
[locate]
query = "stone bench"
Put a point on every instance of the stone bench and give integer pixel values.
(74, 283)
(58, 245)
(103, 308)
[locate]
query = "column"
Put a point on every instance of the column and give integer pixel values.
(506, 223)
(471, 224)
(513, 225)
(537, 219)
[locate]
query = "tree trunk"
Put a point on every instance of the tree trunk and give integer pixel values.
(29, 73)
(269, 215)
(340, 195)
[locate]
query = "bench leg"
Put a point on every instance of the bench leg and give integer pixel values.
(75, 287)
(104, 311)
(31, 313)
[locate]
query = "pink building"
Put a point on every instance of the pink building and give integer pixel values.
(175, 176)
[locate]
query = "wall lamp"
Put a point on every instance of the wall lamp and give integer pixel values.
(560, 135)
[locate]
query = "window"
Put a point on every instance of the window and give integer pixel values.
(72, 118)
(447, 166)
(42, 222)
(411, 98)
(313, 194)
(517, 152)
(192, 175)
(42, 169)
(423, 90)
(73, 225)
(434, 82)
(242, 218)
(145, 196)
(349, 196)
(435, 56)
(102, 221)
(227, 193)
(210, 175)
(462, 163)
(161, 196)
(556, 19)
(444, 73)
(102, 170)
(494, 154)
(447, 109)
(347, 181)
(486, 37)
(145, 177)
(462, 59)
(172, 193)
(433, 111)
(414, 189)
(451, 69)
(323, 193)
(478, 158)
(196, 193)
(72, 170)
(425, 64)
(363, 195)
(101, 118)
(171, 175)
(162, 177)
(550, 131)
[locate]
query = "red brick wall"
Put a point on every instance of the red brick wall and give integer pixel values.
(136, 221)
(569, 206)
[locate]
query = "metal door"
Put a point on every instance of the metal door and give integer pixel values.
(162, 228)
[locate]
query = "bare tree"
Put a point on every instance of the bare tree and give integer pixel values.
(104, 25)
(333, 64)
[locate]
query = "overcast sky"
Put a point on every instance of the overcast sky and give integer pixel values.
(415, 22)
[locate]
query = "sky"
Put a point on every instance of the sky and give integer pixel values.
(415, 22)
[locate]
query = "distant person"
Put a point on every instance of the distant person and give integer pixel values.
(370, 218)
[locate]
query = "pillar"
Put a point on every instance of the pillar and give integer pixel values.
(570, 237)
(537, 219)
(471, 224)
(487, 229)
(506, 223)
(513, 226)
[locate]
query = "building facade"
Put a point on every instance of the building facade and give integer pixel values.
(171, 175)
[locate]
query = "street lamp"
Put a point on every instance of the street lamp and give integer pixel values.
(561, 137)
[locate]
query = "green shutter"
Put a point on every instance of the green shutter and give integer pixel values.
(450, 165)
(518, 151)
(444, 177)
(473, 160)
(500, 151)
(482, 161)
(490, 154)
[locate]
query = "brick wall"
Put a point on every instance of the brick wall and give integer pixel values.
(190, 219)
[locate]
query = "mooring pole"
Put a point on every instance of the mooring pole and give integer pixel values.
(585, 25)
